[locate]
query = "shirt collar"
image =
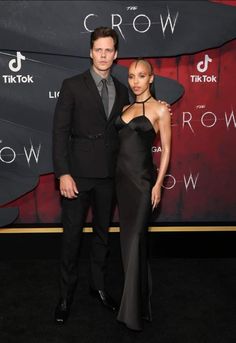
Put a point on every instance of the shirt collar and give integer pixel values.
(97, 78)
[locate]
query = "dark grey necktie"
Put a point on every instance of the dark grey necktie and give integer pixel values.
(104, 95)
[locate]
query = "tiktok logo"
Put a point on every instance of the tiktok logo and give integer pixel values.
(15, 63)
(202, 66)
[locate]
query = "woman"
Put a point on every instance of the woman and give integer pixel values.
(139, 188)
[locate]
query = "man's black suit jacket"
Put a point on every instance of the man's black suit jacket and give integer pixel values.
(85, 142)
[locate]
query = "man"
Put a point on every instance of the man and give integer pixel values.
(85, 145)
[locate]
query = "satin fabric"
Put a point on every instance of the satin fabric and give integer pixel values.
(135, 176)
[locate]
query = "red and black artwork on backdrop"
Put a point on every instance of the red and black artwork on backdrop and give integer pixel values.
(192, 48)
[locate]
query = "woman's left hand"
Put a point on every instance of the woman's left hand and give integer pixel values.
(156, 196)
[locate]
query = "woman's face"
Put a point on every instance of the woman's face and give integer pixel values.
(140, 77)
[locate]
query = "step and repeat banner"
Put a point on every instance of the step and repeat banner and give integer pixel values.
(192, 47)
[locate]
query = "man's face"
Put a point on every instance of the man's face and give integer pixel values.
(103, 54)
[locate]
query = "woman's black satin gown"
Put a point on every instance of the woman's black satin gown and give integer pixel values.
(135, 177)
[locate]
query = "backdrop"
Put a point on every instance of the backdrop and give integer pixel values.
(192, 47)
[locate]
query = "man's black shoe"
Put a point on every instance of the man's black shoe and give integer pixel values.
(62, 312)
(104, 298)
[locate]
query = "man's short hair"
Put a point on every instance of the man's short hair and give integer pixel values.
(102, 32)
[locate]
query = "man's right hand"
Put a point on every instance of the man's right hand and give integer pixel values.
(68, 187)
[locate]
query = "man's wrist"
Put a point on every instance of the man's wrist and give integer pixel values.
(59, 177)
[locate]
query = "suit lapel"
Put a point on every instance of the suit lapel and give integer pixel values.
(95, 96)
(115, 105)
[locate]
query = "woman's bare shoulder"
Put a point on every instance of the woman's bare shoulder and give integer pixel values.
(161, 108)
(125, 108)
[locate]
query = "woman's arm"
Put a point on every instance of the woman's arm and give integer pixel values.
(164, 123)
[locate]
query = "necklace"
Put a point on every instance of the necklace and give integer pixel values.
(142, 102)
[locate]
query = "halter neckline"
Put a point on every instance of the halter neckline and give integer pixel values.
(142, 102)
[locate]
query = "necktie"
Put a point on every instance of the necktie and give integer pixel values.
(104, 95)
